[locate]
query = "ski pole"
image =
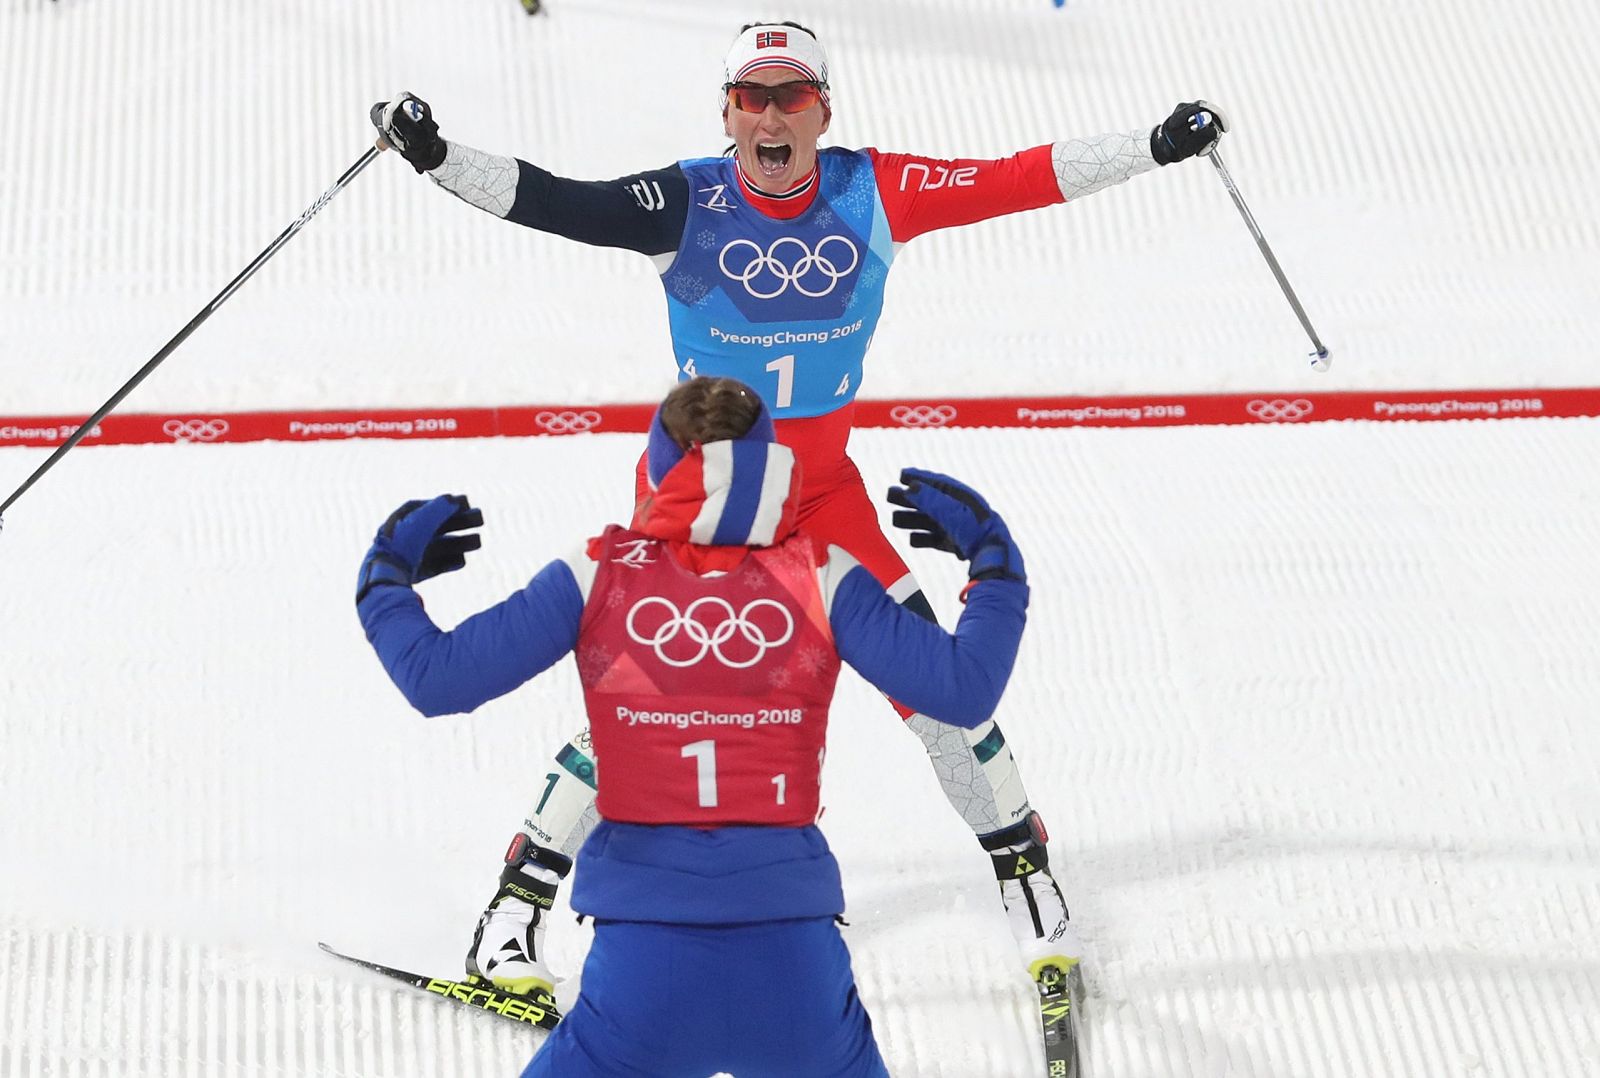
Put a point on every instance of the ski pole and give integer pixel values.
(194, 324)
(1319, 358)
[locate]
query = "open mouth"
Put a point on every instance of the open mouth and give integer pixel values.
(773, 157)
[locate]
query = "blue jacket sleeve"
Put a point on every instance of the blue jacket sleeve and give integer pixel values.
(488, 655)
(953, 677)
(644, 212)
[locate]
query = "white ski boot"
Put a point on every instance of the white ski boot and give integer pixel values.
(508, 946)
(1035, 908)
(1048, 941)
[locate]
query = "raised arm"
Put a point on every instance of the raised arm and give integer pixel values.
(956, 677)
(644, 212)
(921, 194)
(487, 655)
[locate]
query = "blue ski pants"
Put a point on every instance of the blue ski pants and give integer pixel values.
(773, 999)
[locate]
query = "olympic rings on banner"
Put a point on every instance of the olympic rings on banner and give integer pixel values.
(194, 430)
(922, 415)
(567, 422)
(1279, 410)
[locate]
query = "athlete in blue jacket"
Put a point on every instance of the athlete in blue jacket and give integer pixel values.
(708, 637)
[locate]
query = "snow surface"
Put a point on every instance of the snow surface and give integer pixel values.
(1311, 711)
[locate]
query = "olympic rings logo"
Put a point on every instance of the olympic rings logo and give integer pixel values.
(709, 639)
(824, 262)
(194, 430)
(567, 422)
(922, 415)
(1279, 410)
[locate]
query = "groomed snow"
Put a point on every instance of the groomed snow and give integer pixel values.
(1310, 711)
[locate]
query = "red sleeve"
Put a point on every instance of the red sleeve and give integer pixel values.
(921, 194)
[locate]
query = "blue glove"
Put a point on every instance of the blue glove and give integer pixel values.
(946, 514)
(416, 543)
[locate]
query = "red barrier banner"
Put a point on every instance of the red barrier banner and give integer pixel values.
(1176, 410)
(1166, 410)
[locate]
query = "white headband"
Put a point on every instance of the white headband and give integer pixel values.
(768, 45)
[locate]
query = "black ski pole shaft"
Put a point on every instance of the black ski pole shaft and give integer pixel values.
(194, 323)
(1319, 358)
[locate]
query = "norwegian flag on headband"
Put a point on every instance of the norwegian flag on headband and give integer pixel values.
(765, 48)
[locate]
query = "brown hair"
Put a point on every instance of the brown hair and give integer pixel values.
(705, 410)
(786, 22)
